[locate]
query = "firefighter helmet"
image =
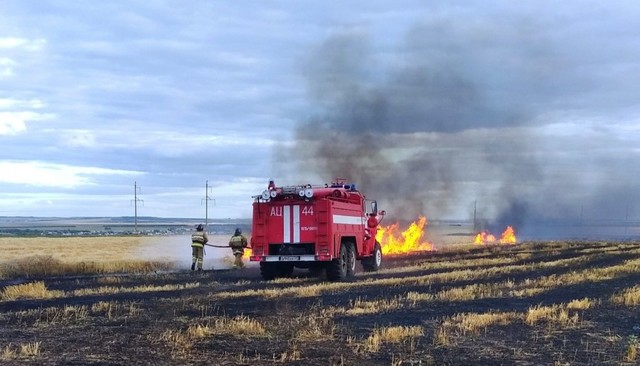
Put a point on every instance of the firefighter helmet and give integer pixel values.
(238, 231)
(199, 227)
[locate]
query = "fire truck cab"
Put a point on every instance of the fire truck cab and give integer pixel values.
(317, 227)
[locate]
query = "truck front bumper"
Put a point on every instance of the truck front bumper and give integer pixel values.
(290, 258)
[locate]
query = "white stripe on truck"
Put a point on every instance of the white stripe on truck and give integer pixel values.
(287, 224)
(296, 224)
(351, 220)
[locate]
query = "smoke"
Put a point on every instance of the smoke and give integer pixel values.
(456, 113)
(177, 249)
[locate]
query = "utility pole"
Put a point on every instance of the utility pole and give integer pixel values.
(206, 200)
(475, 223)
(135, 201)
(626, 222)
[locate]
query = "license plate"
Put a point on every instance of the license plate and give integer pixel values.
(289, 258)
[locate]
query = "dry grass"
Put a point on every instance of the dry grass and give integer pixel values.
(8, 353)
(110, 280)
(392, 334)
(32, 290)
(195, 327)
(239, 325)
(294, 354)
(315, 289)
(311, 290)
(81, 249)
(315, 327)
(474, 322)
(106, 307)
(30, 349)
(628, 297)
(236, 326)
(177, 340)
(25, 350)
(41, 265)
(67, 314)
(104, 290)
(38, 290)
(582, 304)
(633, 344)
(554, 314)
(76, 256)
(461, 325)
(475, 291)
(470, 323)
(529, 287)
(114, 309)
(442, 336)
(182, 341)
(362, 307)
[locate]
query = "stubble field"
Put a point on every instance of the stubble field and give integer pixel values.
(536, 303)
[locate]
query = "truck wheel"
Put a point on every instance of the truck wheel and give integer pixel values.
(344, 266)
(351, 260)
(269, 271)
(373, 263)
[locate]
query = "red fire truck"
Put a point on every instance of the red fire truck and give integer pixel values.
(321, 228)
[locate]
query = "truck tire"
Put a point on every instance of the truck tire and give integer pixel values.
(269, 271)
(373, 263)
(351, 260)
(339, 269)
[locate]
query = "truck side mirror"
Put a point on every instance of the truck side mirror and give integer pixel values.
(374, 207)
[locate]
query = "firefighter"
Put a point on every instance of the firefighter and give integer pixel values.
(198, 240)
(238, 243)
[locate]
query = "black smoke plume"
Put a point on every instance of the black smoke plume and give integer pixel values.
(448, 118)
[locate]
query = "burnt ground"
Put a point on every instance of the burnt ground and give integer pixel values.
(151, 327)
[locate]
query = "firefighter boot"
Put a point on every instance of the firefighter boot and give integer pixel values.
(238, 262)
(193, 266)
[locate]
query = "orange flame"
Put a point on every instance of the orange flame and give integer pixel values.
(507, 237)
(393, 241)
(484, 238)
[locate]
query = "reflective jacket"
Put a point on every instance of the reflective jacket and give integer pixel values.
(238, 242)
(199, 239)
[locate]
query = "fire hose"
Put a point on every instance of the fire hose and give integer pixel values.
(223, 246)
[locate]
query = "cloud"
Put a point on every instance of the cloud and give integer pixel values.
(15, 113)
(8, 103)
(34, 173)
(16, 47)
(6, 67)
(13, 123)
(8, 43)
(162, 143)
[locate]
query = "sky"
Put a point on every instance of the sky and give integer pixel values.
(526, 111)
